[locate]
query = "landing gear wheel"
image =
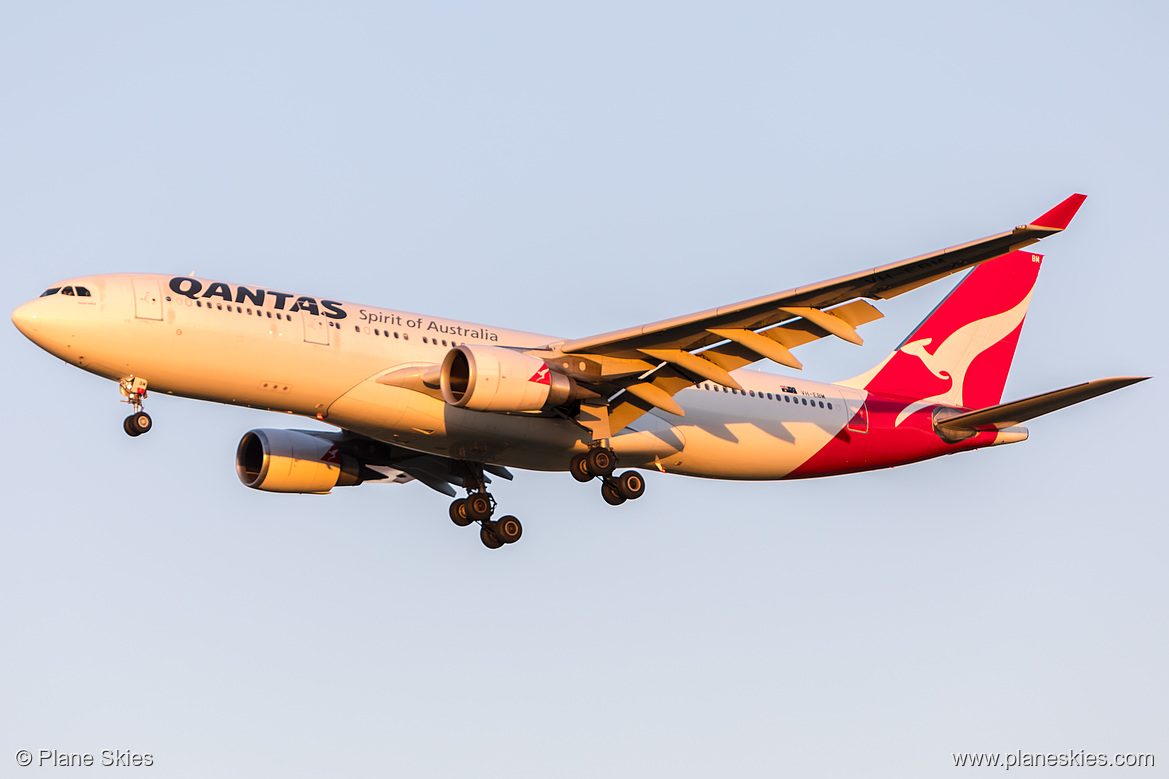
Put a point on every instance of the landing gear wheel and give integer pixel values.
(611, 492)
(579, 468)
(488, 536)
(138, 423)
(459, 513)
(630, 485)
(601, 461)
(508, 529)
(479, 506)
(141, 422)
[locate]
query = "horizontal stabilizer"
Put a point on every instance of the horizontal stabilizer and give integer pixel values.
(1007, 415)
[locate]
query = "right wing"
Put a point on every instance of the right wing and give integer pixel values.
(644, 366)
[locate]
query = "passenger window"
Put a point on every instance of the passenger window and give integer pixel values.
(769, 396)
(375, 331)
(50, 291)
(821, 404)
(804, 401)
(829, 406)
(357, 328)
(269, 314)
(395, 334)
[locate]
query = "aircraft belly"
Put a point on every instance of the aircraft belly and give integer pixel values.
(419, 421)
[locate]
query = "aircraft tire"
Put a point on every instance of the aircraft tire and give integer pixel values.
(141, 422)
(611, 492)
(601, 461)
(489, 537)
(128, 426)
(579, 468)
(508, 529)
(479, 506)
(458, 513)
(631, 485)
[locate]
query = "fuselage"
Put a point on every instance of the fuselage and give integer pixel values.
(256, 347)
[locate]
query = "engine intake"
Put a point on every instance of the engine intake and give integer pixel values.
(491, 378)
(293, 461)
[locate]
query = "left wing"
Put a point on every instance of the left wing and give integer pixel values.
(386, 462)
(642, 367)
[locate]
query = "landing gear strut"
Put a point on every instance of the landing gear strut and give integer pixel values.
(478, 506)
(134, 391)
(601, 461)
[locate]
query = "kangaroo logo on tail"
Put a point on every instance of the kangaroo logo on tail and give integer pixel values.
(961, 354)
(953, 358)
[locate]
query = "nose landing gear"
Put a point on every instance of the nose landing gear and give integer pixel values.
(134, 391)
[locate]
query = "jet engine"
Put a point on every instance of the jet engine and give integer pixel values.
(491, 378)
(293, 461)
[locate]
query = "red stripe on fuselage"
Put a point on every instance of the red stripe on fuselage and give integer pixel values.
(886, 444)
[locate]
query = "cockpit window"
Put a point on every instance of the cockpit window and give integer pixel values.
(82, 292)
(50, 291)
(67, 291)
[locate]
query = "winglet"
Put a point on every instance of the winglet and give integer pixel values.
(1059, 217)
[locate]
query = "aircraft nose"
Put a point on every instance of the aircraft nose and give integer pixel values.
(25, 318)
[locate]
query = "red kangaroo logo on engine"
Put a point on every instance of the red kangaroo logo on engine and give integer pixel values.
(541, 376)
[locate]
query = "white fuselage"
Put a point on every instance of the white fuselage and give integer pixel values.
(254, 347)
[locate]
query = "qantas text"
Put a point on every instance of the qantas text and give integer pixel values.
(193, 288)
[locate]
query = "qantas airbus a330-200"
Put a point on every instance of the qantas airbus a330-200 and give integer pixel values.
(451, 404)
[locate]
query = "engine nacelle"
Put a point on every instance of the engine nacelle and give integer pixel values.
(293, 461)
(490, 378)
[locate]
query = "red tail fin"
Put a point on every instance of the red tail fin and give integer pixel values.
(961, 354)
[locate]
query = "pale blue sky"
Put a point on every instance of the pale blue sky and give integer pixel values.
(571, 170)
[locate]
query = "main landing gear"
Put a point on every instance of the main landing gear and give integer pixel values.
(601, 462)
(478, 506)
(134, 391)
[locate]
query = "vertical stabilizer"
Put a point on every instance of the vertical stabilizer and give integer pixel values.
(961, 354)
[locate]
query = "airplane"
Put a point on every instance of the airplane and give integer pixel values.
(450, 403)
